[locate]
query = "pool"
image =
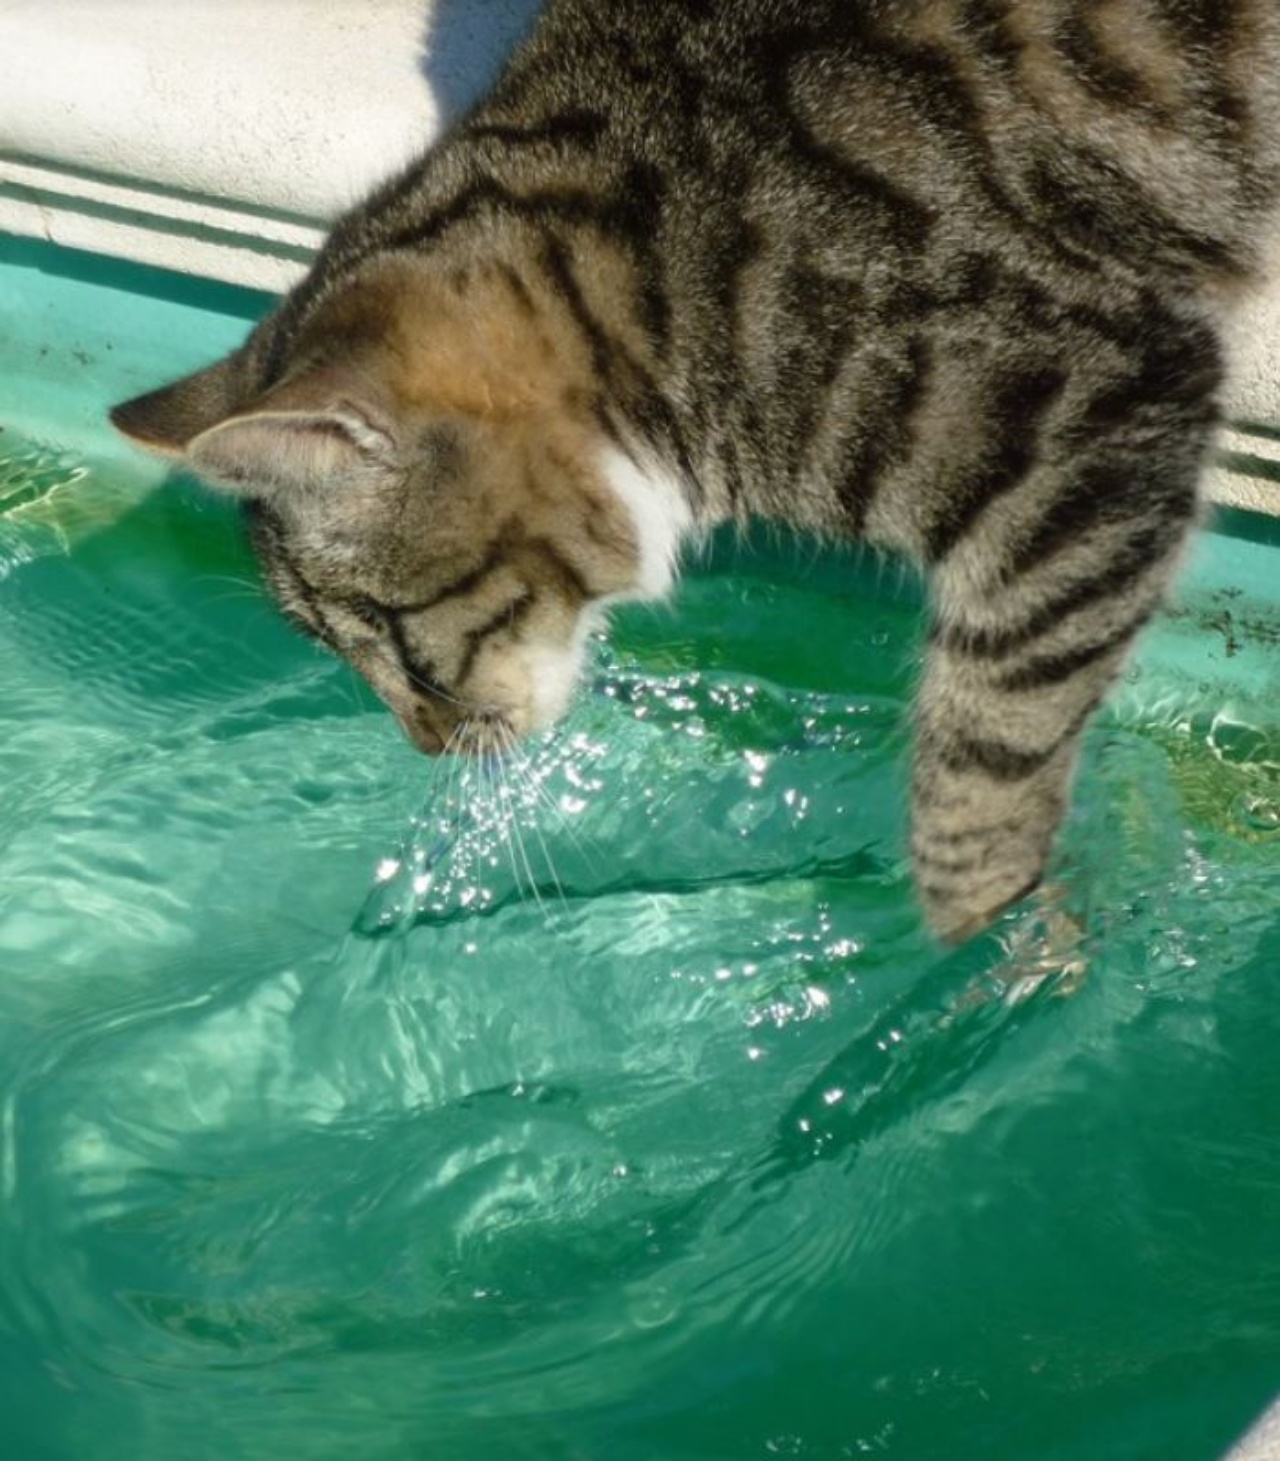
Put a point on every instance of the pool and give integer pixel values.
(633, 1114)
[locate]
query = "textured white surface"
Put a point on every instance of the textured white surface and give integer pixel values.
(1263, 1441)
(293, 105)
(220, 137)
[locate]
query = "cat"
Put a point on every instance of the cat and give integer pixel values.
(951, 276)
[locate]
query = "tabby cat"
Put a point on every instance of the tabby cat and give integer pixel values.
(952, 276)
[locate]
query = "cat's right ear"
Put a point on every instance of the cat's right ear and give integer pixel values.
(269, 452)
(167, 420)
(326, 426)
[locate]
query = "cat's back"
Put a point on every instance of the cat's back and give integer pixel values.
(1144, 129)
(733, 149)
(1167, 110)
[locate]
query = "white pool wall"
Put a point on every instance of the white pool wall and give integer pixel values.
(220, 138)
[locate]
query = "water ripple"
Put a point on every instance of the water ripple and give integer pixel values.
(632, 1111)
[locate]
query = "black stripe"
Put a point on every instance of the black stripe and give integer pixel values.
(578, 126)
(631, 215)
(489, 195)
(1140, 551)
(1206, 30)
(573, 206)
(740, 246)
(926, 856)
(1201, 25)
(422, 673)
(637, 215)
(1015, 412)
(731, 467)
(570, 577)
(1053, 669)
(317, 625)
(495, 557)
(938, 90)
(944, 892)
(885, 431)
(603, 535)
(1177, 374)
(820, 313)
(608, 354)
(602, 415)
(1040, 311)
(1108, 78)
(1090, 202)
(1112, 492)
(993, 831)
(1007, 763)
(730, 395)
(904, 222)
(267, 534)
(985, 25)
(998, 759)
(508, 617)
(634, 388)
(519, 290)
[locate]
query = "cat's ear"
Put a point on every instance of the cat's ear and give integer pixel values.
(166, 420)
(270, 451)
(323, 427)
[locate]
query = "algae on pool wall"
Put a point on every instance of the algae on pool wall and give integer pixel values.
(51, 498)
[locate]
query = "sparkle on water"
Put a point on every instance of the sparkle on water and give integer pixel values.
(607, 1099)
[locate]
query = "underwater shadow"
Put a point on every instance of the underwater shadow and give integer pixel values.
(464, 46)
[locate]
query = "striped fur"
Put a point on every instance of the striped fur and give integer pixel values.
(950, 275)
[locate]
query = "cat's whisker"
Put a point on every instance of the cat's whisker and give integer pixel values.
(527, 768)
(511, 822)
(530, 782)
(520, 866)
(354, 690)
(434, 690)
(493, 775)
(242, 596)
(263, 612)
(427, 846)
(253, 589)
(444, 767)
(350, 683)
(587, 848)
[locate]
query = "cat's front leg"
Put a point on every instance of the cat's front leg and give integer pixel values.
(983, 820)
(1017, 662)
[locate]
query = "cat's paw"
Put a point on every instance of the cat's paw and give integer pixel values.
(1045, 947)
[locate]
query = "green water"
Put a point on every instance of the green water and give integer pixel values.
(618, 1107)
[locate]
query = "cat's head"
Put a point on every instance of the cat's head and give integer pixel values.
(428, 495)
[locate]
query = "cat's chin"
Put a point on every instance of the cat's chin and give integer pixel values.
(486, 733)
(422, 735)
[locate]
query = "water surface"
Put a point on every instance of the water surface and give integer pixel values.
(612, 1102)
